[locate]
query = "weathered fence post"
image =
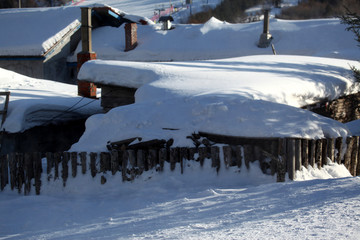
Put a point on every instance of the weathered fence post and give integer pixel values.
(174, 158)
(140, 160)
(153, 158)
(338, 146)
(93, 170)
(248, 155)
(73, 157)
(312, 151)
(65, 169)
(162, 158)
(202, 155)
(4, 166)
(282, 164)
(305, 152)
(227, 156)
(331, 149)
(298, 160)
(215, 158)
(124, 166)
(347, 158)
(354, 156)
(183, 155)
(324, 152)
(13, 169)
(238, 156)
(115, 163)
(37, 171)
(29, 172)
(290, 145)
(57, 160)
(20, 173)
(83, 162)
(318, 153)
(49, 164)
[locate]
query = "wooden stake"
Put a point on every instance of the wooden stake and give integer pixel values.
(305, 152)
(93, 170)
(227, 156)
(83, 156)
(73, 156)
(65, 169)
(37, 171)
(290, 143)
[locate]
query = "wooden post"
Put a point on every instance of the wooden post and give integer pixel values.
(331, 149)
(174, 158)
(338, 146)
(192, 152)
(183, 155)
(93, 170)
(312, 152)
(162, 158)
(282, 164)
(65, 169)
(29, 172)
(290, 143)
(202, 155)
(305, 152)
(37, 171)
(49, 163)
(4, 171)
(20, 173)
(153, 158)
(318, 153)
(298, 160)
(83, 156)
(114, 161)
(13, 169)
(73, 156)
(140, 160)
(354, 156)
(105, 162)
(227, 156)
(238, 156)
(324, 152)
(248, 155)
(124, 165)
(215, 158)
(347, 157)
(57, 160)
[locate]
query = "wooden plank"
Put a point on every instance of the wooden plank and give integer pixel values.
(115, 163)
(20, 173)
(83, 156)
(338, 147)
(37, 171)
(298, 160)
(227, 156)
(93, 170)
(124, 164)
(281, 165)
(312, 151)
(354, 156)
(140, 159)
(215, 158)
(318, 153)
(73, 157)
(4, 171)
(290, 145)
(324, 156)
(347, 157)
(29, 172)
(65, 169)
(331, 149)
(162, 158)
(305, 152)
(57, 161)
(239, 156)
(174, 158)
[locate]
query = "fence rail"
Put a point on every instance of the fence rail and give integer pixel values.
(282, 156)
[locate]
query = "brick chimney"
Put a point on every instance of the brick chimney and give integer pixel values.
(130, 36)
(86, 89)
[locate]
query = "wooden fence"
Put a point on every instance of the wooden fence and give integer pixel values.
(22, 171)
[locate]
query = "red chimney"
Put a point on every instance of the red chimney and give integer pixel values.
(130, 36)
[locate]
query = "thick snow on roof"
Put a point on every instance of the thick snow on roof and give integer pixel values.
(255, 96)
(33, 31)
(35, 102)
(216, 39)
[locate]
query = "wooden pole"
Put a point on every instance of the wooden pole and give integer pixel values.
(354, 156)
(83, 156)
(318, 153)
(290, 145)
(73, 156)
(338, 146)
(114, 161)
(305, 152)
(162, 158)
(238, 156)
(227, 156)
(331, 149)
(298, 160)
(347, 157)
(65, 168)
(215, 158)
(29, 172)
(93, 170)
(37, 171)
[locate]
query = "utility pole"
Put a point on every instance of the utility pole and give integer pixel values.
(19, 3)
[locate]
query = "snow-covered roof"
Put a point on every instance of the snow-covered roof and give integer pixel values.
(254, 96)
(33, 31)
(216, 39)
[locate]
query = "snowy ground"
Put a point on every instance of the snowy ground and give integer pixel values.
(236, 204)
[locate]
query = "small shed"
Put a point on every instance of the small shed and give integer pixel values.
(166, 22)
